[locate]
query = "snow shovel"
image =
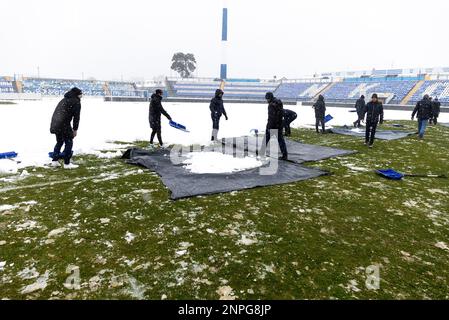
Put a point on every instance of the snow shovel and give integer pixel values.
(328, 118)
(394, 175)
(178, 126)
(8, 155)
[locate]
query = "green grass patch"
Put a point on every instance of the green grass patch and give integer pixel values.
(307, 240)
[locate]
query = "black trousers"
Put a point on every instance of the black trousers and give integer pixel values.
(63, 139)
(358, 121)
(156, 131)
(280, 138)
(287, 122)
(370, 133)
(320, 120)
(434, 120)
(215, 126)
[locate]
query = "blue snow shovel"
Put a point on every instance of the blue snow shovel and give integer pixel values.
(394, 175)
(178, 126)
(8, 155)
(328, 118)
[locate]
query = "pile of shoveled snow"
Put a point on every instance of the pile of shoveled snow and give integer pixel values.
(216, 162)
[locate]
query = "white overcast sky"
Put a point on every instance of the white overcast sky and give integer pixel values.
(291, 38)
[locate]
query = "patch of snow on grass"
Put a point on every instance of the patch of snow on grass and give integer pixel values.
(215, 162)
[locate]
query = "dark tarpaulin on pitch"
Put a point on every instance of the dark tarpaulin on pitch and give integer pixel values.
(445, 124)
(183, 183)
(380, 134)
(297, 152)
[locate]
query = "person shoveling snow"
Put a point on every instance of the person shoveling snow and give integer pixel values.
(68, 109)
(154, 117)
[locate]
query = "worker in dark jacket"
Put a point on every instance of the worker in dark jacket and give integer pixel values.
(275, 122)
(320, 111)
(289, 117)
(360, 108)
(436, 107)
(423, 110)
(68, 109)
(217, 110)
(156, 110)
(374, 112)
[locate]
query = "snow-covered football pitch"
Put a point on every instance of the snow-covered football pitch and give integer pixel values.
(109, 230)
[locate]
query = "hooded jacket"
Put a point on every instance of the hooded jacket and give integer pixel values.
(289, 115)
(320, 107)
(374, 112)
(436, 108)
(275, 114)
(424, 109)
(68, 109)
(360, 107)
(216, 106)
(156, 110)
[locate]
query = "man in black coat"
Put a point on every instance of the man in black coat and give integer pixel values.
(320, 112)
(423, 109)
(216, 111)
(360, 108)
(289, 117)
(275, 123)
(374, 111)
(436, 108)
(156, 110)
(68, 109)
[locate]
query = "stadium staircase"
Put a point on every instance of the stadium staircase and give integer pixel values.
(18, 86)
(325, 89)
(106, 89)
(412, 92)
(170, 89)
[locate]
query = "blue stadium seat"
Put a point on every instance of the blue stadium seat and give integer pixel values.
(351, 91)
(434, 88)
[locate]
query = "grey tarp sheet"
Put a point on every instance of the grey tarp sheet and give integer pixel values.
(297, 152)
(445, 124)
(183, 183)
(380, 134)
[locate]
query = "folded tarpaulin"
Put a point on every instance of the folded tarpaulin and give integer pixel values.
(380, 134)
(8, 155)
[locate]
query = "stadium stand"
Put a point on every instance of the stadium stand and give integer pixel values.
(350, 91)
(434, 88)
(123, 89)
(6, 86)
(56, 87)
(394, 87)
(234, 89)
(299, 91)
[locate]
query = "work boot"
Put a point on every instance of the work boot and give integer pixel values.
(284, 157)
